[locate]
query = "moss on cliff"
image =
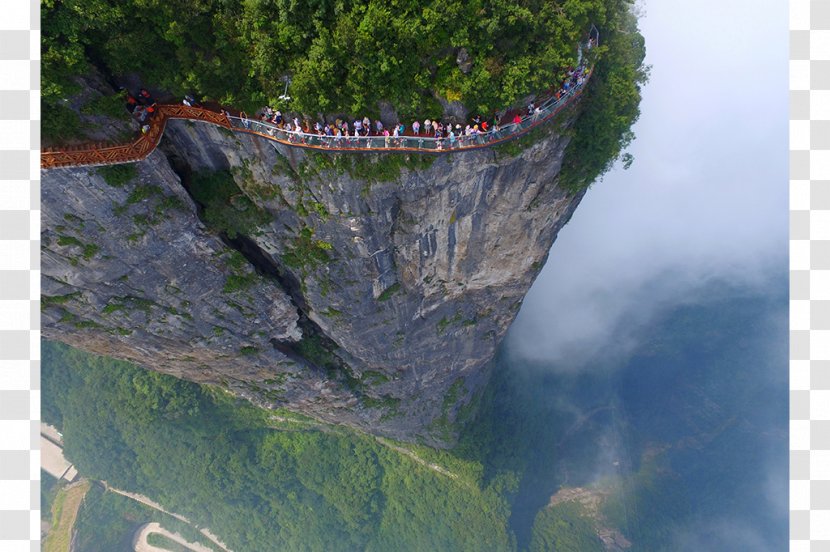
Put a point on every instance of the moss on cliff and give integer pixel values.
(118, 175)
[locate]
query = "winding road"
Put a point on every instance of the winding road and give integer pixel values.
(156, 506)
(140, 543)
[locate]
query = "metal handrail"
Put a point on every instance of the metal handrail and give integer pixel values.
(416, 143)
(91, 155)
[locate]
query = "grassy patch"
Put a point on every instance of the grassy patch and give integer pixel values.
(306, 252)
(167, 203)
(384, 402)
(370, 168)
(451, 397)
(237, 282)
(112, 307)
(128, 303)
(513, 148)
(64, 512)
(332, 312)
(69, 240)
(313, 349)
(371, 377)
(74, 219)
(389, 292)
(242, 277)
(118, 175)
(141, 193)
(445, 322)
(57, 300)
(88, 249)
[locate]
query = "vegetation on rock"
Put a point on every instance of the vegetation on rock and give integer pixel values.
(609, 107)
(350, 58)
(226, 208)
(341, 56)
(118, 175)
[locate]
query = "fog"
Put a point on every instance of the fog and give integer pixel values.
(706, 197)
(704, 204)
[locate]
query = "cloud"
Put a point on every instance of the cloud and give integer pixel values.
(756, 531)
(705, 200)
(720, 536)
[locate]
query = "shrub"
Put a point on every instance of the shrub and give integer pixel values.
(226, 209)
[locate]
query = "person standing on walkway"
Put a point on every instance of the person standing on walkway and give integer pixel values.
(144, 97)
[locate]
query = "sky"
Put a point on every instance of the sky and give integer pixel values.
(706, 198)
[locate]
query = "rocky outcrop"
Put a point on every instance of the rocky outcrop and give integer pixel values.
(374, 293)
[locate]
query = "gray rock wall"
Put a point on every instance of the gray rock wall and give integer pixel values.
(413, 268)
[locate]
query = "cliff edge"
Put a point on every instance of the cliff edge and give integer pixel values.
(366, 289)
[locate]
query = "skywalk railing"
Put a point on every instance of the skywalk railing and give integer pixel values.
(106, 154)
(416, 143)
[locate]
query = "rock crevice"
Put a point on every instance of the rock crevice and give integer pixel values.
(375, 296)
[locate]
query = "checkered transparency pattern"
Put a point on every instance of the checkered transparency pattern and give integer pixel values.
(809, 275)
(19, 276)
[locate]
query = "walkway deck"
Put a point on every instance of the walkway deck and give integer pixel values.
(91, 155)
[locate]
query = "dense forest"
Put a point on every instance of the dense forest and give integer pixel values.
(254, 479)
(348, 58)
(341, 55)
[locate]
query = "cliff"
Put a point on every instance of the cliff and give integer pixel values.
(362, 289)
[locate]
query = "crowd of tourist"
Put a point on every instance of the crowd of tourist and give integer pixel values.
(143, 108)
(341, 132)
(451, 134)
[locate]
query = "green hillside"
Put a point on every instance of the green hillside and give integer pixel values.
(251, 479)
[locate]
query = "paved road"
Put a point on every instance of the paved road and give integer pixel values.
(156, 506)
(140, 543)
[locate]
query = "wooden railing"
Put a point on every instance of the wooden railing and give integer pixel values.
(90, 155)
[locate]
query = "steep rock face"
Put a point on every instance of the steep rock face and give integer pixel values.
(131, 271)
(401, 275)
